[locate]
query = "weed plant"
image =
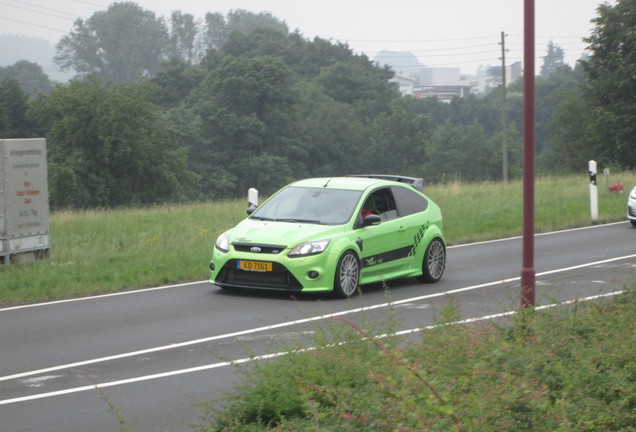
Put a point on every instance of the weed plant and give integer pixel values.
(564, 369)
(111, 250)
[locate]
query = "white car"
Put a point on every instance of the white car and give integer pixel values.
(631, 207)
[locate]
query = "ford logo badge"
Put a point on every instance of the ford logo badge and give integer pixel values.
(255, 249)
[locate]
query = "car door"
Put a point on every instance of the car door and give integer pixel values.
(385, 246)
(411, 208)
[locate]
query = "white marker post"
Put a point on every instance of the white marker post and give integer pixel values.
(593, 191)
(252, 200)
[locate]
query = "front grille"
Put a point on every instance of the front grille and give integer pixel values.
(264, 248)
(278, 279)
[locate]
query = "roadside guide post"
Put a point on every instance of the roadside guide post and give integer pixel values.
(252, 199)
(593, 191)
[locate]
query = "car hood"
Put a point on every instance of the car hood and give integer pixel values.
(289, 234)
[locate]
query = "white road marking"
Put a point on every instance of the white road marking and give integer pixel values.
(115, 294)
(270, 356)
(538, 234)
(39, 381)
(146, 290)
(243, 333)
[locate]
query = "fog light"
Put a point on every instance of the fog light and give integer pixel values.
(211, 266)
(313, 274)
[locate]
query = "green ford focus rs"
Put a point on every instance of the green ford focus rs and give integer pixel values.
(334, 234)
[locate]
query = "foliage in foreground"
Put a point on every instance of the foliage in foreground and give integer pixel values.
(565, 369)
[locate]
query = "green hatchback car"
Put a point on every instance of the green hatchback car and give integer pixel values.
(334, 234)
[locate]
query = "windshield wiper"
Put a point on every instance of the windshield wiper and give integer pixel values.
(262, 218)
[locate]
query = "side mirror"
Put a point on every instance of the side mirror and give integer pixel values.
(250, 209)
(371, 219)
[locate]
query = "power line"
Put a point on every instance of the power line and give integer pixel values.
(385, 41)
(424, 53)
(450, 48)
(467, 49)
(31, 24)
(90, 3)
(104, 22)
(37, 11)
(416, 40)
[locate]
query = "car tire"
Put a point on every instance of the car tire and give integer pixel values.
(434, 261)
(633, 223)
(347, 275)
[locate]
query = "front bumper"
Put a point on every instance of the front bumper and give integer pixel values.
(307, 274)
(280, 278)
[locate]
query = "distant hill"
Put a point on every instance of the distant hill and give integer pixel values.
(18, 47)
(401, 62)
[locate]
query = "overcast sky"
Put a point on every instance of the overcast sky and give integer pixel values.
(457, 33)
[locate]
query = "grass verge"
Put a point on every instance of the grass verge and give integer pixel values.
(111, 250)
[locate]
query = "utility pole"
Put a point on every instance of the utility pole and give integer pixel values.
(504, 110)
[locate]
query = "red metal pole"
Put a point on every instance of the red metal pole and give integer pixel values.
(527, 271)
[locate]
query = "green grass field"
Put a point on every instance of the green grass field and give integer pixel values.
(111, 250)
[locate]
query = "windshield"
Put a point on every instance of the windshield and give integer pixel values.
(310, 205)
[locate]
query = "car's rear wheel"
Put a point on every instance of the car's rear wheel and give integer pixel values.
(434, 261)
(347, 275)
(633, 222)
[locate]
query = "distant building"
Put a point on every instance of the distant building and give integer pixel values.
(445, 83)
(404, 84)
(431, 76)
(401, 62)
(442, 93)
(489, 77)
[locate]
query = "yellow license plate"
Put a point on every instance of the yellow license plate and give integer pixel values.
(255, 266)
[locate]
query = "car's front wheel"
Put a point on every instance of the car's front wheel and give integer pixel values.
(434, 261)
(347, 275)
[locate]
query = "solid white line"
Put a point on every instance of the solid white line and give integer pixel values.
(253, 330)
(507, 314)
(115, 294)
(137, 379)
(537, 235)
(145, 290)
(298, 322)
(248, 331)
(279, 354)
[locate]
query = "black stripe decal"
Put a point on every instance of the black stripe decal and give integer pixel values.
(417, 238)
(385, 257)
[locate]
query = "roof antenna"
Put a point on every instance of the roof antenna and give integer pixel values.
(325, 185)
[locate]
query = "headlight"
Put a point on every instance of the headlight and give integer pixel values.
(633, 194)
(309, 248)
(223, 242)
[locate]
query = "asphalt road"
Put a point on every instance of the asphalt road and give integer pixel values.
(143, 360)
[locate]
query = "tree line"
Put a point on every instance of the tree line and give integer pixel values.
(181, 110)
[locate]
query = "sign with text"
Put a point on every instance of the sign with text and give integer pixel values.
(24, 195)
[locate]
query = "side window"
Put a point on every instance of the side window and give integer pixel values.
(408, 201)
(381, 203)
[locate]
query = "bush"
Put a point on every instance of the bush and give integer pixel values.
(565, 369)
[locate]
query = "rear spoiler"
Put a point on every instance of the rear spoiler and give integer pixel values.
(417, 183)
